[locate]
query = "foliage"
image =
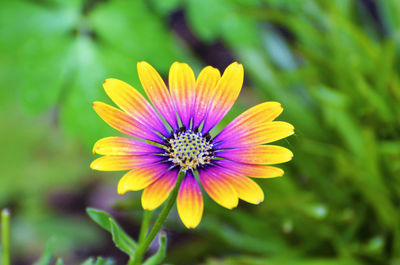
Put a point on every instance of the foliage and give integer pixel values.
(64, 54)
(332, 64)
(47, 257)
(123, 241)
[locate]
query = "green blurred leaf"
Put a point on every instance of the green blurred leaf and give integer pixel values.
(205, 17)
(64, 55)
(47, 255)
(89, 261)
(159, 256)
(121, 239)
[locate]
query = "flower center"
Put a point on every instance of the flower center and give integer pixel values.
(189, 149)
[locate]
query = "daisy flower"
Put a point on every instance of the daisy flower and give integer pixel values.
(172, 134)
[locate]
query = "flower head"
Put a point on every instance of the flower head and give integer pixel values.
(174, 136)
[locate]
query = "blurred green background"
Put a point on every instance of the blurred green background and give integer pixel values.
(334, 65)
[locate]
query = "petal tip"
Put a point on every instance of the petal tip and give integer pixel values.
(232, 206)
(191, 224)
(121, 190)
(142, 63)
(237, 65)
(259, 202)
(96, 104)
(148, 207)
(94, 165)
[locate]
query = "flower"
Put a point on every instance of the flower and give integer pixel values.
(163, 144)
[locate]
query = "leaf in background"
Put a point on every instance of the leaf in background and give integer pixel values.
(89, 261)
(159, 256)
(59, 56)
(46, 257)
(205, 17)
(108, 261)
(38, 45)
(165, 7)
(121, 239)
(98, 261)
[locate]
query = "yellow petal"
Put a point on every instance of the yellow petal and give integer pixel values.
(248, 120)
(219, 189)
(123, 122)
(157, 92)
(181, 84)
(262, 154)
(262, 134)
(140, 178)
(157, 192)
(226, 93)
(115, 163)
(205, 89)
(246, 188)
(133, 103)
(123, 146)
(251, 170)
(190, 202)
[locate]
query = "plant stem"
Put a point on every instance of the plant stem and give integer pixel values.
(145, 225)
(5, 237)
(142, 247)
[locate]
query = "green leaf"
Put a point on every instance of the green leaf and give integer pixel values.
(159, 256)
(59, 261)
(100, 217)
(118, 237)
(205, 17)
(102, 261)
(108, 261)
(64, 55)
(99, 261)
(166, 6)
(89, 261)
(121, 239)
(46, 257)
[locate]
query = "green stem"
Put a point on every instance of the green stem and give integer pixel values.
(145, 225)
(142, 247)
(130, 261)
(5, 237)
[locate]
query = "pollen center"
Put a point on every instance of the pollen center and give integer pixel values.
(189, 149)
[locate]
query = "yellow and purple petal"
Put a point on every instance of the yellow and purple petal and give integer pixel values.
(122, 162)
(182, 86)
(251, 170)
(205, 89)
(141, 177)
(124, 123)
(246, 188)
(157, 192)
(250, 119)
(262, 154)
(158, 93)
(190, 201)
(134, 104)
(219, 188)
(226, 93)
(124, 146)
(262, 134)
